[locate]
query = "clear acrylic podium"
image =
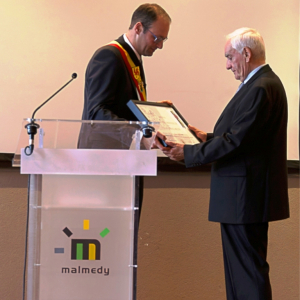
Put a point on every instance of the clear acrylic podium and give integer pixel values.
(83, 208)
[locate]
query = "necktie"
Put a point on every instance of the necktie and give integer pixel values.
(240, 86)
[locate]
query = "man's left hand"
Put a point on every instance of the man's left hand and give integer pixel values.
(169, 102)
(174, 151)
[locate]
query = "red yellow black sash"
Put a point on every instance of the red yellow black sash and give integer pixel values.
(133, 70)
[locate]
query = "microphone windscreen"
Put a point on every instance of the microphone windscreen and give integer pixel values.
(74, 75)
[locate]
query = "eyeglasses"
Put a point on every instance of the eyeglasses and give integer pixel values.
(157, 40)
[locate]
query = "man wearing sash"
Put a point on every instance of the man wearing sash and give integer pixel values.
(115, 73)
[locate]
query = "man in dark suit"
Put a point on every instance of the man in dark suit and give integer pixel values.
(115, 75)
(247, 150)
(111, 80)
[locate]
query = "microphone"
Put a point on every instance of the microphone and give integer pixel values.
(32, 126)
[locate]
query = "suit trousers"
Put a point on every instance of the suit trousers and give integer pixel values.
(245, 264)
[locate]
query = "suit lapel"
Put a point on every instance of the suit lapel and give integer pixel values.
(229, 103)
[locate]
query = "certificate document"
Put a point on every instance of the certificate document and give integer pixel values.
(172, 124)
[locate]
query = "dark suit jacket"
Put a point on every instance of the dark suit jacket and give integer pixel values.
(108, 88)
(108, 85)
(248, 151)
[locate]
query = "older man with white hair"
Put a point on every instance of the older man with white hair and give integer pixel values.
(249, 173)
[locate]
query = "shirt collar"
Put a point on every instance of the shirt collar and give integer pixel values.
(252, 73)
(127, 41)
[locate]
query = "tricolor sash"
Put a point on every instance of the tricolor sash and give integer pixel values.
(133, 70)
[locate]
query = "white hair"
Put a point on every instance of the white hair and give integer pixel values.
(248, 37)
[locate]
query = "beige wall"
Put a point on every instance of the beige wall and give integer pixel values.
(13, 207)
(180, 253)
(44, 42)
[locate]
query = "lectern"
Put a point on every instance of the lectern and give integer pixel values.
(83, 208)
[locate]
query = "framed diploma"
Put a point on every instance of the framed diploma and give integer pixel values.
(172, 123)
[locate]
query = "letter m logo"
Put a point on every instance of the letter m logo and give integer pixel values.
(83, 249)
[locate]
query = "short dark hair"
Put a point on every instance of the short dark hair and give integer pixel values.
(147, 14)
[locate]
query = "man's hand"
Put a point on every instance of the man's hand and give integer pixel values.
(199, 133)
(174, 151)
(156, 143)
(165, 101)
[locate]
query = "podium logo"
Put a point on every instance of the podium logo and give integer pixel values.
(84, 249)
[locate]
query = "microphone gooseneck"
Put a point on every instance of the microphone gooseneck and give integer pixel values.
(74, 75)
(32, 126)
